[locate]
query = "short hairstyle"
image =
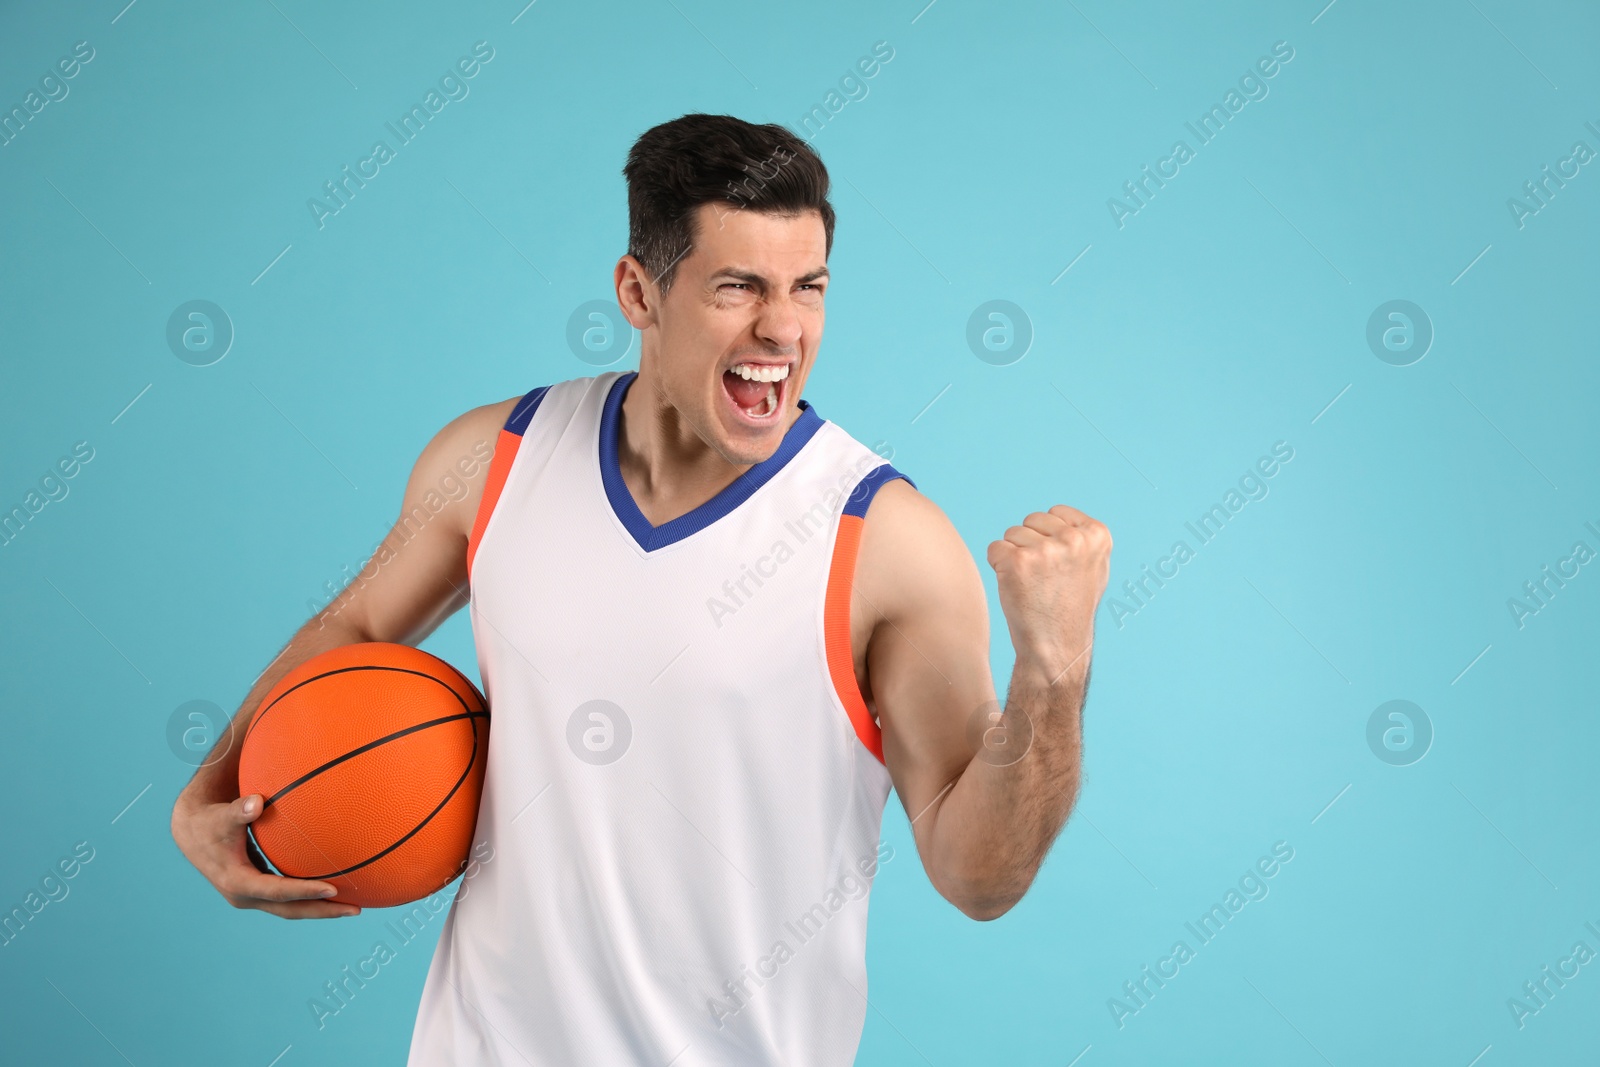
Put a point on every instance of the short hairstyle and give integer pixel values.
(698, 159)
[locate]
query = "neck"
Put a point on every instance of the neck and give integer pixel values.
(667, 465)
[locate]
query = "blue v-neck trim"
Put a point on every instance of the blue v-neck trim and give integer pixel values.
(650, 538)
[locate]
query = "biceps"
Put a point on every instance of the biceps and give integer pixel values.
(933, 690)
(415, 579)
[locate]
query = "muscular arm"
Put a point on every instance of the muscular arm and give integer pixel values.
(414, 581)
(987, 788)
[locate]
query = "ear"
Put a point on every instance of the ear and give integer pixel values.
(637, 294)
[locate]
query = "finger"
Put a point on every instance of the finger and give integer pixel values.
(1023, 537)
(307, 909)
(1045, 523)
(1092, 534)
(247, 809)
(1070, 515)
(248, 882)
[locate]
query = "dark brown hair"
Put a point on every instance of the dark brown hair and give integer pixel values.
(675, 167)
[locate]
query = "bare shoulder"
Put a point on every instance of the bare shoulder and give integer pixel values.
(912, 559)
(454, 465)
(481, 425)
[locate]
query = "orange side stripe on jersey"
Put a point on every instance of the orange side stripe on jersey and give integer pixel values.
(836, 634)
(505, 450)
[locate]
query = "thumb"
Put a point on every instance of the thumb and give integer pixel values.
(246, 809)
(999, 554)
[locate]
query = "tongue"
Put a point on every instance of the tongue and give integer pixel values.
(748, 395)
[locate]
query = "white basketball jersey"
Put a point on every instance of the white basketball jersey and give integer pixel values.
(684, 787)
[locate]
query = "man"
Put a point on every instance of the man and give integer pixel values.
(713, 630)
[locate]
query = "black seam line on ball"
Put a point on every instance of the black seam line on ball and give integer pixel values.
(262, 714)
(369, 746)
(466, 682)
(418, 828)
(262, 849)
(372, 859)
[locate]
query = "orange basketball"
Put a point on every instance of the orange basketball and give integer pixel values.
(370, 759)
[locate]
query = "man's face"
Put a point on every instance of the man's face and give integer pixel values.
(731, 344)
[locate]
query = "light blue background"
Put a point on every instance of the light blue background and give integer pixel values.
(1223, 317)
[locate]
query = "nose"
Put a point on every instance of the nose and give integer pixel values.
(779, 323)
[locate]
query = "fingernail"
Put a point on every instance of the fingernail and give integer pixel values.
(250, 806)
(330, 892)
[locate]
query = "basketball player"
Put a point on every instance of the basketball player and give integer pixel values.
(713, 630)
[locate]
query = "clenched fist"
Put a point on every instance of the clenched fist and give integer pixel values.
(1052, 571)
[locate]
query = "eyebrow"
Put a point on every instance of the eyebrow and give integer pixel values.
(756, 279)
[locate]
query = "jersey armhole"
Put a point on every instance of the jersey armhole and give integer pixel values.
(836, 606)
(505, 451)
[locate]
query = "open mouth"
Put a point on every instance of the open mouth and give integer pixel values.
(756, 389)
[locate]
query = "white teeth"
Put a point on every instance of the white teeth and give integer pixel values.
(755, 372)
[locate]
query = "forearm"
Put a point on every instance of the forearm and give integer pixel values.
(217, 779)
(995, 825)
